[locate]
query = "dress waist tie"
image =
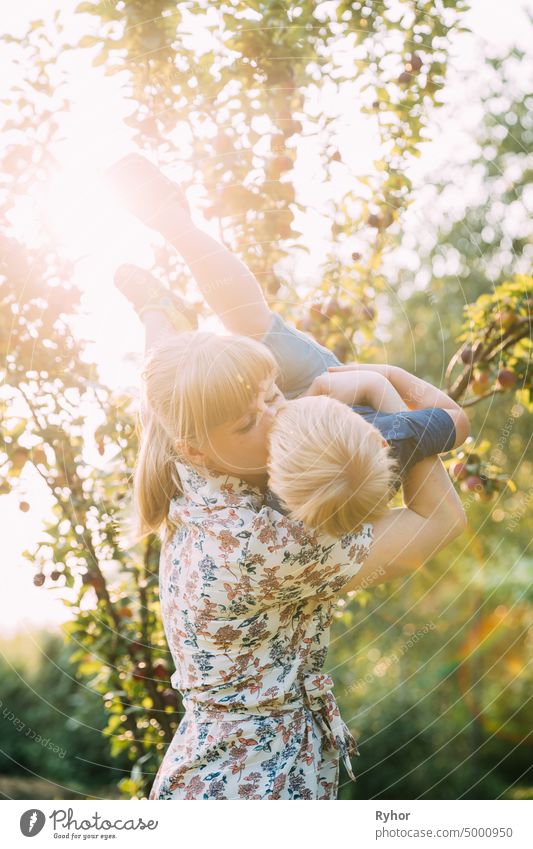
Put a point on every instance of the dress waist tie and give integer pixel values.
(321, 701)
(316, 695)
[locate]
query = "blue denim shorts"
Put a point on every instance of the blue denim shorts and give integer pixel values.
(300, 358)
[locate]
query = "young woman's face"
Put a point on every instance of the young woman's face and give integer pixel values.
(241, 447)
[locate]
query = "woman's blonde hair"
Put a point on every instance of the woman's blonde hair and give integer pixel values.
(329, 467)
(192, 385)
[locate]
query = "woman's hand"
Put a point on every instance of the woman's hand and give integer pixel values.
(406, 538)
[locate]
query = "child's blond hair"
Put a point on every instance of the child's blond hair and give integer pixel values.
(329, 466)
(199, 381)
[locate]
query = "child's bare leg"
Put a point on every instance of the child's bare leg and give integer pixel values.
(228, 286)
(161, 311)
(226, 283)
(163, 314)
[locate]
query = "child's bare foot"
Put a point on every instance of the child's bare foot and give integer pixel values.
(148, 194)
(145, 292)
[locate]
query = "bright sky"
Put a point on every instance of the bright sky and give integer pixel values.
(95, 231)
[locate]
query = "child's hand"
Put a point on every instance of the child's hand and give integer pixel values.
(336, 386)
(381, 369)
(358, 386)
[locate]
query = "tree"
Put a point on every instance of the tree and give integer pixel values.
(435, 673)
(236, 100)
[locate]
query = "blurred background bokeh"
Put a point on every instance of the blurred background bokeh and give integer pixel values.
(371, 163)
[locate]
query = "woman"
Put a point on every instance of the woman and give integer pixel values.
(247, 594)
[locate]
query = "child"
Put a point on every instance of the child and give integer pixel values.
(436, 424)
(334, 470)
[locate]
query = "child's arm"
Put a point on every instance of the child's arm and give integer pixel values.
(354, 387)
(418, 394)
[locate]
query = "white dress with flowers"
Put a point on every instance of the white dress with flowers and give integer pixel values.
(247, 600)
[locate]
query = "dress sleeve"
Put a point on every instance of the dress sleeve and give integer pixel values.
(282, 561)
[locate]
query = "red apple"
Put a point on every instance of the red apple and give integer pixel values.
(473, 483)
(160, 669)
(284, 229)
(170, 697)
(38, 579)
(279, 165)
(139, 671)
(506, 378)
(458, 470)
(415, 62)
(291, 127)
(19, 457)
(480, 383)
(94, 579)
(136, 647)
(38, 456)
(331, 308)
(24, 506)
(506, 318)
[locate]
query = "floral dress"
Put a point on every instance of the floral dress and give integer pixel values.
(247, 599)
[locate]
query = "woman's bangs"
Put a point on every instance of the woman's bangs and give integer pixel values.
(233, 383)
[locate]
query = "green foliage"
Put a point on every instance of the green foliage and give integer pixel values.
(237, 104)
(497, 332)
(51, 727)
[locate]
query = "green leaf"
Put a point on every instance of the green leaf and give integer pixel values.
(91, 8)
(89, 41)
(100, 59)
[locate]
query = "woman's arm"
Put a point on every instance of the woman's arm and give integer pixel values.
(418, 394)
(407, 537)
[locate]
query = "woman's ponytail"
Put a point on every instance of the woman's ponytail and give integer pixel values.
(156, 479)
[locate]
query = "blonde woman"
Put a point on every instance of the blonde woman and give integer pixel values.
(246, 593)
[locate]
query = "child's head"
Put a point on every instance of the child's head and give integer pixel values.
(330, 467)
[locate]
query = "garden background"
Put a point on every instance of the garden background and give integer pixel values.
(369, 161)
